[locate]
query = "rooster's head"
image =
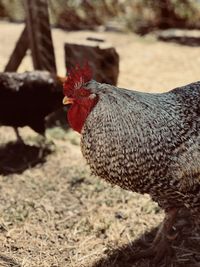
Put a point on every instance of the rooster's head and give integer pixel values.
(82, 100)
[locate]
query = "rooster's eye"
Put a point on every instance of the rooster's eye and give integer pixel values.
(82, 93)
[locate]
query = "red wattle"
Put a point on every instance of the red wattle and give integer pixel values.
(78, 113)
(76, 117)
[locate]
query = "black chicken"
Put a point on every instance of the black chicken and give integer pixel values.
(27, 98)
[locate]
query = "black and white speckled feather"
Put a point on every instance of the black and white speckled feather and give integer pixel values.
(147, 143)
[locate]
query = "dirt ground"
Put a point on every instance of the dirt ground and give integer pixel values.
(52, 212)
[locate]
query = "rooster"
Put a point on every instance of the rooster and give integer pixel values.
(146, 143)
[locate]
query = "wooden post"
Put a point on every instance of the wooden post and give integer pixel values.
(39, 32)
(18, 52)
(104, 60)
(36, 36)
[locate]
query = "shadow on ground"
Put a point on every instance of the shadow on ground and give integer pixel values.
(182, 37)
(123, 256)
(17, 157)
(188, 41)
(185, 249)
(6, 261)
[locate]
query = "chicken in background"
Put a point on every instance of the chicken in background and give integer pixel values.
(145, 143)
(27, 98)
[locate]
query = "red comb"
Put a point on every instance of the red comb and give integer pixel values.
(76, 78)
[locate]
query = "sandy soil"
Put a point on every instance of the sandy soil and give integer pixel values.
(53, 213)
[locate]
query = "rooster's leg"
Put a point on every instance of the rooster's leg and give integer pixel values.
(161, 245)
(42, 144)
(19, 139)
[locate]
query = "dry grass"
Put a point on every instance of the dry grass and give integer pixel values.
(54, 214)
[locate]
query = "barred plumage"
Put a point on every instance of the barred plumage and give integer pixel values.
(146, 143)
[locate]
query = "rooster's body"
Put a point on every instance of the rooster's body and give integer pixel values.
(146, 143)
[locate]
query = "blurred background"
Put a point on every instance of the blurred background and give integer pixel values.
(52, 211)
(113, 22)
(140, 16)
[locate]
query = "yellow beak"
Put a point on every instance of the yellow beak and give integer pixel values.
(62, 79)
(67, 100)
